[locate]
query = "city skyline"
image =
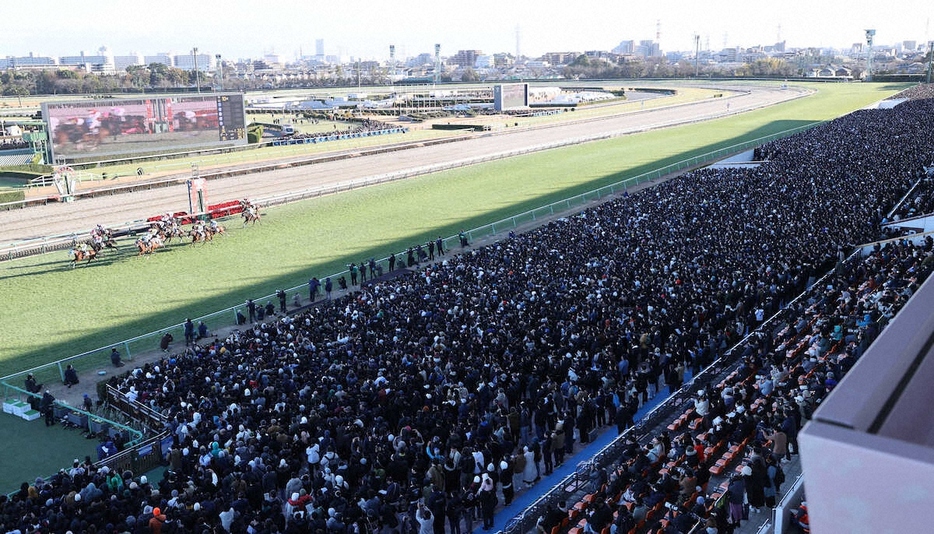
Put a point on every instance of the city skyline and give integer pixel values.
(364, 31)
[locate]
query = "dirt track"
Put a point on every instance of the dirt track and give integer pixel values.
(79, 216)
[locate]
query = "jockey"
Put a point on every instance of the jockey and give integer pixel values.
(213, 226)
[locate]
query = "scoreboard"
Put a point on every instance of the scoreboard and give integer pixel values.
(230, 119)
(98, 130)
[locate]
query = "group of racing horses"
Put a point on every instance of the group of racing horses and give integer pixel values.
(159, 234)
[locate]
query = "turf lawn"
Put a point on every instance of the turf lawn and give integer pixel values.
(31, 449)
(52, 312)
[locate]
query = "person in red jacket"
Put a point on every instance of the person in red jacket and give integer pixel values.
(155, 524)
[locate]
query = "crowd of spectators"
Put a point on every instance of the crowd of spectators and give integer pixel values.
(920, 200)
(11, 143)
(363, 126)
(787, 368)
(446, 385)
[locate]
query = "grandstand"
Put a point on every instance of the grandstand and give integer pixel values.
(738, 277)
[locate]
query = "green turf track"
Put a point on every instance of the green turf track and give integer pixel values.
(31, 449)
(50, 312)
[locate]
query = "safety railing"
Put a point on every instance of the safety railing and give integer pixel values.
(91, 421)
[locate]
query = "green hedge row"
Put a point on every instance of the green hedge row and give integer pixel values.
(12, 196)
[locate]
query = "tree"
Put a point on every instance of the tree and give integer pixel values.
(17, 90)
(176, 76)
(580, 61)
(470, 75)
(138, 76)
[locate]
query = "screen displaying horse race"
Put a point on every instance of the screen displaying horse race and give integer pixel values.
(101, 129)
(507, 96)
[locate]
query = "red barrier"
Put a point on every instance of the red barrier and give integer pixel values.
(225, 209)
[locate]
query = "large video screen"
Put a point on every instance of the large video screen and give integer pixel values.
(101, 129)
(510, 96)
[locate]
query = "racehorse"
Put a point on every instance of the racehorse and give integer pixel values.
(147, 245)
(200, 234)
(101, 238)
(250, 215)
(81, 254)
(170, 231)
(216, 229)
(249, 212)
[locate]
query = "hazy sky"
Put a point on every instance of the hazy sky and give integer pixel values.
(365, 29)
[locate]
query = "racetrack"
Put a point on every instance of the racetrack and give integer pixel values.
(78, 217)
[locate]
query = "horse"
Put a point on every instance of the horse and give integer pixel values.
(250, 215)
(170, 231)
(155, 242)
(148, 246)
(143, 246)
(102, 237)
(200, 235)
(217, 229)
(81, 254)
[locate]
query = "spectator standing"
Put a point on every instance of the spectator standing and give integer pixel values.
(189, 332)
(280, 294)
(47, 408)
(313, 286)
(251, 308)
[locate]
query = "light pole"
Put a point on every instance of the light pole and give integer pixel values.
(869, 36)
(220, 68)
(930, 59)
(696, 53)
(194, 54)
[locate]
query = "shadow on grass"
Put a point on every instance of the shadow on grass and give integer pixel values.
(262, 289)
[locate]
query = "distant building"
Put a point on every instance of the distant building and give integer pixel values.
(484, 62)
(625, 47)
(165, 58)
(560, 58)
(465, 58)
(503, 60)
(648, 48)
(122, 62)
(421, 59)
(102, 63)
(205, 62)
(27, 62)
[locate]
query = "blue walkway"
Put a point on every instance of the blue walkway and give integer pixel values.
(521, 502)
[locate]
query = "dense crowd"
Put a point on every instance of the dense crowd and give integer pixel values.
(471, 378)
(786, 369)
(364, 126)
(10, 144)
